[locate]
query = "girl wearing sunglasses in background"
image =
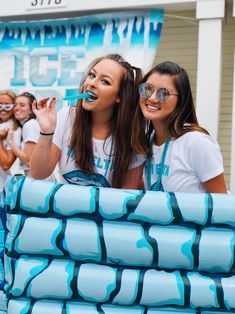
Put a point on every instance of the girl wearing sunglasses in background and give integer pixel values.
(30, 130)
(92, 141)
(183, 157)
(7, 121)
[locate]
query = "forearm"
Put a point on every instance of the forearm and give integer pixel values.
(45, 154)
(7, 158)
(19, 153)
(42, 161)
(216, 185)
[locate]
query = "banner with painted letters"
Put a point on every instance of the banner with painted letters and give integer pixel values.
(49, 57)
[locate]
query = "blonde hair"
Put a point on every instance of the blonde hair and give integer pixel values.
(12, 95)
(8, 93)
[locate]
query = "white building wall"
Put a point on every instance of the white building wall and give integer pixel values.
(179, 43)
(209, 66)
(22, 8)
(232, 160)
(225, 123)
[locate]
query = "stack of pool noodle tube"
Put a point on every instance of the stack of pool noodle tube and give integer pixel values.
(68, 249)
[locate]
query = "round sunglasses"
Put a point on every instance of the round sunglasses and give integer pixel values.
(146, 90)
(6, 107)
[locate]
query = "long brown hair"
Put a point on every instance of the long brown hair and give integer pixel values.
(182, 120)
(120, 124)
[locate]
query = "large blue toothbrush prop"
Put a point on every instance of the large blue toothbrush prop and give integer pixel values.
(88, 96)
(72, 249)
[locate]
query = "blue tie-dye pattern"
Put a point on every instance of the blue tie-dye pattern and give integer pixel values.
(35, 270)
(204, 297)
(218, 215)
(204, 284)
(148, 213)
(68, 197)
(63, 291)
(128, 290)
(161, 294)
(92, 200)
(70, 270)
(232, 245)
(113, 210)
(212, 287)
(227, 284)
(187, 250)
(13, 231)
(143, 243)
(104, 286)
(12, 186)
(93, 252)
(53, 241)
(25, 308)
(38, 203)
(193, 207)
(48, 238)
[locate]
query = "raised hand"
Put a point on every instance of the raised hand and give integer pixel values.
(10, 136)
(45, 112)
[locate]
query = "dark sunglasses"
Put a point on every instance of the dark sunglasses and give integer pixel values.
(146, 90)
(6, 107)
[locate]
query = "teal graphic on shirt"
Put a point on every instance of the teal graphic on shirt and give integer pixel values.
(156, 170)
(80, 178)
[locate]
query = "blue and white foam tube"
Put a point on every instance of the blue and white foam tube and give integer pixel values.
(170, 247)
(53, 199)
(98, 250)
(3, 300)
(42, 278)
(26, 306)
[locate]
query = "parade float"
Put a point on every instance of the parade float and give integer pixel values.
(71, 249)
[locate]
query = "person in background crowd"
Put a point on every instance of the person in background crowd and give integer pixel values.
(92, 141)
(7, 121)
(30, 130)
(183, 157)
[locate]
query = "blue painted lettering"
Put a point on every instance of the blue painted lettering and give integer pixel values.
(18, 77)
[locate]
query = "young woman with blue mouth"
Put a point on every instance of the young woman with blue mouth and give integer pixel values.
(92, 141)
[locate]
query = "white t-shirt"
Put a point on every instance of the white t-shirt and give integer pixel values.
(30, 133)
(16, 137)
(190, 160)
(68, 169)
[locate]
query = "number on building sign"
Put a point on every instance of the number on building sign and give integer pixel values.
(45, 4)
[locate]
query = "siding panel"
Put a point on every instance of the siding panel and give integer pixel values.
(179, 42)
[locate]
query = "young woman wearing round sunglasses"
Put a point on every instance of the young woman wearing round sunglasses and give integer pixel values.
(30, 130)
(92, 141)
(7, 121)
(182, 156)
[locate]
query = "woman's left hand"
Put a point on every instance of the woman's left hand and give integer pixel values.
(10, 136)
